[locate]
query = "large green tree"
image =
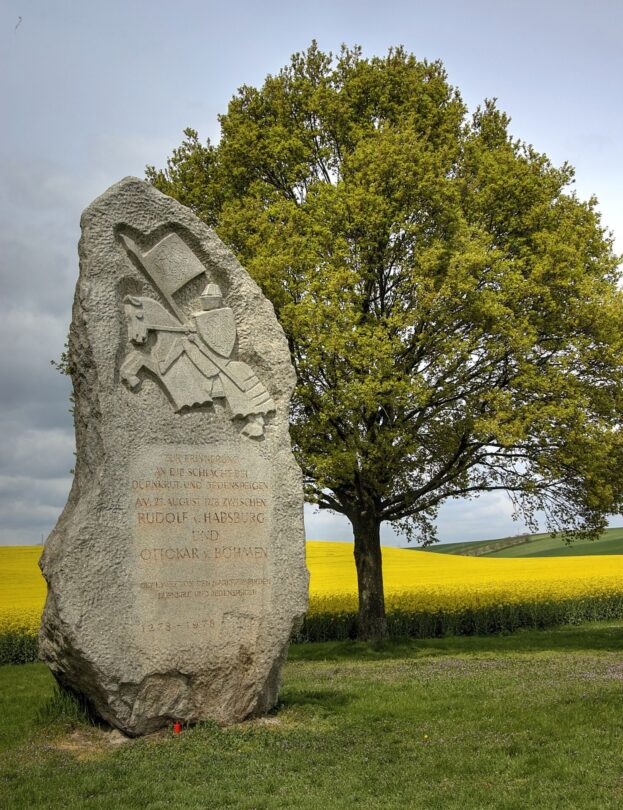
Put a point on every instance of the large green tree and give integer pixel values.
(451, 306)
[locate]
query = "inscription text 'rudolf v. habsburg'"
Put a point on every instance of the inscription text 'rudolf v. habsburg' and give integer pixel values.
(176, 572)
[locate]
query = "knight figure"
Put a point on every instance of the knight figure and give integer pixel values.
(192, 357)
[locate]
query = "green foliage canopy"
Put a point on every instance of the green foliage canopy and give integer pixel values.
(451, 306)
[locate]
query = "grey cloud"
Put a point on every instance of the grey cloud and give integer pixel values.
(34, 480)
(34, 394)
(37, 270)
(26, 535)
(323, 525)
(38, 237)
(38, 267)
(30, 507)
(34, 476)
(70, 133)
(487, 517)
(36, 454)
(40, 187)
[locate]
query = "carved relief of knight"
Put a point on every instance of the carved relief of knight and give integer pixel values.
(190, 356)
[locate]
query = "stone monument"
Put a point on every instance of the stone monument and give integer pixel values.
(176, 572)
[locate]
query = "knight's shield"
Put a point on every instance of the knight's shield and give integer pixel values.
(217, 327)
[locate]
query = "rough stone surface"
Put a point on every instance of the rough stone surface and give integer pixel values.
(176, 572)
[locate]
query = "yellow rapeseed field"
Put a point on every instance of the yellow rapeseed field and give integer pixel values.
(420, 580)
(414, 581)
(22, 588)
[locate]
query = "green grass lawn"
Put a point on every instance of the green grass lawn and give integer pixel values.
(538, 545)
(531, 720)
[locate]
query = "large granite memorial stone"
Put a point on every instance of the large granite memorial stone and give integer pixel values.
(176, 572)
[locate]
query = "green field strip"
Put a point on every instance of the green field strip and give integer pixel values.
(536, 545)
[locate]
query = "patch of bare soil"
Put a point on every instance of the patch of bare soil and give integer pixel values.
(86, 744)
(82, 744)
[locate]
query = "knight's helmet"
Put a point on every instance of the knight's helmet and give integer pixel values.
(211, 297)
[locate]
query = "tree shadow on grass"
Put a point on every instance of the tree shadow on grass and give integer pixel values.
(604, 637)
(329, 700)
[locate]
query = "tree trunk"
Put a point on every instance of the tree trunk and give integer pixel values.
(372, 621)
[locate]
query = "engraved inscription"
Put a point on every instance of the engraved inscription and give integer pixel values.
(202, 544)
(191, 357)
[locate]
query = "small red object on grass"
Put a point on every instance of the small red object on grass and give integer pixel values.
(177, 727)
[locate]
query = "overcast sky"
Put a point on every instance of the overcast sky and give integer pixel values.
(93, 91)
